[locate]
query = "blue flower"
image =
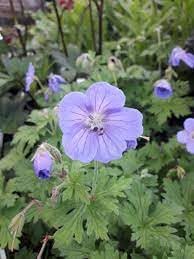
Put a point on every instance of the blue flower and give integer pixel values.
(162, 89)
(131, 144)
(42, 163)
(29, 77)
(96, 125)
(178, 54)
(186, 136)
(54, 83)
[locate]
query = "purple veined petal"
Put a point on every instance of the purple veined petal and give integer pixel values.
(81, 145)
(131, 144)
(188, 59)
(127, 122)
(190, 146)
(111, 146)
(103, 96)
(182, 136)
(189, 124)
(72, 110)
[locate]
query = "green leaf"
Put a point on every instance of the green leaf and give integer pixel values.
(108, 252)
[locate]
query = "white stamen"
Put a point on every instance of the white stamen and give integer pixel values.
(95, 122)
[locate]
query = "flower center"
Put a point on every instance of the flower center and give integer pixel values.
(95, 122)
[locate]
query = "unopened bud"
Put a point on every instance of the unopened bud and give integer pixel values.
(55, 153)
(84, 62)
(180, 172)
(114, 64)
(17, 224)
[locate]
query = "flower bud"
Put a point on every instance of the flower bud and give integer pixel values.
(43, 164)
(114, 64)
(84, 62)
(54, 152)
(163, 89)
(17, 224)
(180, 172)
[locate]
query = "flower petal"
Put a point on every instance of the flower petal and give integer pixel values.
(189, 124)
(188, 59)
(190, 147)
(182, 137)
(81, 144)
(127, 122)
(131, 144)
(103, 97)
(111, 146)
(72, 110)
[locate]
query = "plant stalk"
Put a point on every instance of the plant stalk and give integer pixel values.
(60, 28)
(100, 26)
(92, 26)
(95, 177)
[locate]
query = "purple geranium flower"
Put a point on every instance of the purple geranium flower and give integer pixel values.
(42, 162)
(178, 54)
(96, 125)
(29, 77)
(162, 89)
(131, 144)
(186, 136)
(54, 82)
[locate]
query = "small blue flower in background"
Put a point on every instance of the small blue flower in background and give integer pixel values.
(54, 82)
(162, 89)
(178, 54)
(29, 77)
(131, 144)
(42, 163)
(186, 136)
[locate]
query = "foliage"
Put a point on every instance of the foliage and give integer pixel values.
(139, 207)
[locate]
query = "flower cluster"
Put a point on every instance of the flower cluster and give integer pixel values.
(96, 125)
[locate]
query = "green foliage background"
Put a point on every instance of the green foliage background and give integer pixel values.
(143, 205)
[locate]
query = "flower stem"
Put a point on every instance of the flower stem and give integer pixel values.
(60, 28)
(38, 81)
(45, 240)
(95, 177)
(158, 30)
(115, 78)
(21, 40)
(100, 24)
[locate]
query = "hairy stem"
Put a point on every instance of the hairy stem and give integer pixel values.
(100, 26)
(45, 240)
(60, 28)
(95, 177)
